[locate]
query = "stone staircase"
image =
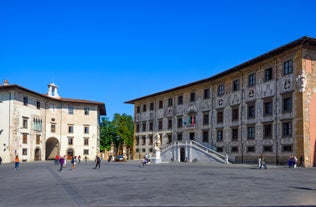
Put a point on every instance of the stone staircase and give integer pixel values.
(191, 151)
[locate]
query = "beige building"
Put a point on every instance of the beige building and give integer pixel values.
(265, 106)
(40, 126)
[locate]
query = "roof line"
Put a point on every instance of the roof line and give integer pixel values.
(302, 41)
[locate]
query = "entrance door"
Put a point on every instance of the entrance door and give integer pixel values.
(37, 154)
(182, 154)
(70, 153)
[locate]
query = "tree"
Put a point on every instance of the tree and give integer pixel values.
(118, 131)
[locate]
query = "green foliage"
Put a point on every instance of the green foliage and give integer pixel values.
(118, 131)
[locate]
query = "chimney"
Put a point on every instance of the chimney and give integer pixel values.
(6, 83)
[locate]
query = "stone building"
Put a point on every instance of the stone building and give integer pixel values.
(265, 106)
(39, 126)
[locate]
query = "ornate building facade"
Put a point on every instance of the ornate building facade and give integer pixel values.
(265, 106)
(40, 126)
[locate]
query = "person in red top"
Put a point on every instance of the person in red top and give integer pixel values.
(57, 159)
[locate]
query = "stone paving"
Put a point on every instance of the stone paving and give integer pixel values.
(176, 184)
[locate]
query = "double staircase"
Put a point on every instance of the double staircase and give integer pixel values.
(191, 151)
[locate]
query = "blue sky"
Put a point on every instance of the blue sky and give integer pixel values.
(115, 51)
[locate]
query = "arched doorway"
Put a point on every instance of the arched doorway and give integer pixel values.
(182, 154)
(52, 148)
(70, 153)
(37, 154)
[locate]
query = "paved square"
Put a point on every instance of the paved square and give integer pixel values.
(175, 184)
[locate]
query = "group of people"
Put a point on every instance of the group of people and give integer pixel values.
(62, 161)
(292, 162)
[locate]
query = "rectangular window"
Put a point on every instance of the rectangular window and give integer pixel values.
(70, 109)
(138, 109)
(191, 136)
(137, 127)
(169, 123)
(25, 101)
(220, 117)
(70, 141)
(151, 139)
(38, 139)
(268, 74)
(151, 126)
(287, 104)
(251, 112)
(180, 100)
(192, 96)
(219, 137)
(70, 129)
(287, 148)
(144, 126)
(268, 108)
(251, 149)
(137, 140)
(85, 152)
(220, 90)
(267, 131)
(169, 138)
(207, 93)
(205, 119)
(179, 136)
(52, 128)
(25, 122)
(267, 148)
(86, 110)
(144, 140)
(252, 79)
(235, 134)
(24, 151)
(160, 124)
(205, 136)
(38, 105)
(86, 130)
(170, 102)
(151, 106)
(287, 129)
(234, 149)
(180, 122)
(144, 108)
(235, 114)
(288, 67)
(85, 141)
(24, 141)
(219, 149)
(236, 85)
(251, 132)
(160, 104)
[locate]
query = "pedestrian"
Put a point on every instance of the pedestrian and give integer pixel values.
(85, 158)
(144, 162)
(294, 161)
(0, 160)
(110, 158)
(61, 162)
(17, 162)
(73, 162)
(65, 161)
(97, 162)
(79, 159)
(57, 159)
(262, 163)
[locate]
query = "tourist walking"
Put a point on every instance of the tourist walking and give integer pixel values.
(97, 162)
(73, 162)
(79, 159)
(17, 163)
(61, 162)
(262, 162)
(110, 158)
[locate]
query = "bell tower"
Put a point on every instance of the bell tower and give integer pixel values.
(52, 91)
